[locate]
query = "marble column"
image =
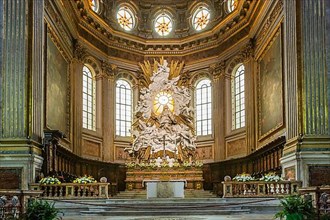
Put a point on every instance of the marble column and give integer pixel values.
(21, 87)
(305, 88)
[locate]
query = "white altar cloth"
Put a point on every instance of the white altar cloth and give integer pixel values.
(165, 189)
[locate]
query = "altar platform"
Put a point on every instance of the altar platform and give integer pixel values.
(193, 177)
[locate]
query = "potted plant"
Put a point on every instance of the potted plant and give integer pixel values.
(43, 210)
(296, 208)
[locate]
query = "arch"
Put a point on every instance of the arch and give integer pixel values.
(93, 64)
(124, 107)
(238, 96)
(203, 106)
(88, 98)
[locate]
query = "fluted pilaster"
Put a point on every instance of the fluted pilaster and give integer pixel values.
(218, 72)
(247, 58)
(108, 110)
(14, 66)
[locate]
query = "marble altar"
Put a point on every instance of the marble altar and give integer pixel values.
(165, 189)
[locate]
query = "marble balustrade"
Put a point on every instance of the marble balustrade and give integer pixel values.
(73, 190)
(259, 188)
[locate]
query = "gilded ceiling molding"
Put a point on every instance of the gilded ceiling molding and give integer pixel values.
(190, 44)
(269, 22)
(56, 40)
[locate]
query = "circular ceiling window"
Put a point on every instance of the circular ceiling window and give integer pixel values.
(95, 5)
(201, 18)
(163, 25)
(231, 5)
(125, 18)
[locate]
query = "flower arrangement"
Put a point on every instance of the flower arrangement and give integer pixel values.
(186, 164)
(243, 177)
(49, 180)
(271, 176)
(85, 179)
(198, 163)
(130, 165)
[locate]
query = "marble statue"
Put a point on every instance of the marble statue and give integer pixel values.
(170, 128)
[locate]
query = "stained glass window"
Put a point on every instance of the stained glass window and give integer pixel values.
(203, 107)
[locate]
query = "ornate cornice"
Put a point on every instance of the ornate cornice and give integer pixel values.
(248, 51)
(155, 47)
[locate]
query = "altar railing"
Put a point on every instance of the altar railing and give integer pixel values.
(73, 190)
(13, 202)
(320, 196)
(259, 188)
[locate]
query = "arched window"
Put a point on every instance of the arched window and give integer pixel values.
(238, 97)
(203, 107)
(89, 98)
(201, 18)
(125, 18)
(231, 5)
(163, 24)
(95, 5)
(123, 108)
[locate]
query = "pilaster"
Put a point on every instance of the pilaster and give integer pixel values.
(248, 62)
(218, 72)
(77, 66)
(306, 101)
(21, 87)
(108, 73)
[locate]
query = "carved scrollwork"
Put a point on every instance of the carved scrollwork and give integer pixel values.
(248, 51)
(108, 70)
(217, 69)
(79, 52)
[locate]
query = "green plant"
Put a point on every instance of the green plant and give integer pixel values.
(41, 210)
(296, 208)
(325, 216)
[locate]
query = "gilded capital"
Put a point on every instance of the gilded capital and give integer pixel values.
(79, 51)
(247, 52)
(108, 70)
(217, 69)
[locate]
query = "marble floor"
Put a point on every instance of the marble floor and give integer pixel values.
(204, 217)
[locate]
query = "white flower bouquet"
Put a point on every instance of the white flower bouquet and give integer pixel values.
(270, 177)
(49, 180)
(85, 179)
(243, 177)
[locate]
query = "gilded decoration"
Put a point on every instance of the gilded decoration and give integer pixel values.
(270, 88)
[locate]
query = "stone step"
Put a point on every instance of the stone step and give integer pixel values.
(171, 206)
(163, 212)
